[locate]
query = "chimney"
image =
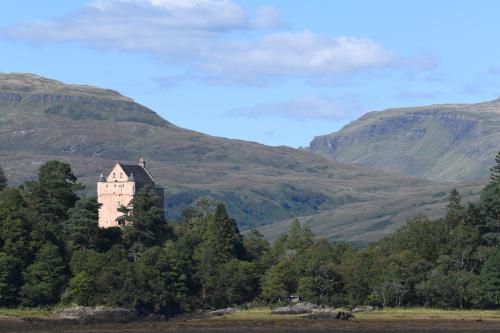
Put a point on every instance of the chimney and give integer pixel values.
(142, 163)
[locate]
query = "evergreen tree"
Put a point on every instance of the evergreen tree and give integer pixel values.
(490, 279)
(45, 278)
(82, 225)
(490, 211)
(15, 225)
(454, 207)
(160, 285)
(50, 197)
(10, 282)
(299, 237)
(55, 191)
(495, 170)
(222, 243)
(222, 238)
(3, 180)
(144, 223)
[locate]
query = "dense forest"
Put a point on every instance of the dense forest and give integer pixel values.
(53, 252)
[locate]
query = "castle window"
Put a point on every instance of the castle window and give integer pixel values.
(114, 175)
(121, 174)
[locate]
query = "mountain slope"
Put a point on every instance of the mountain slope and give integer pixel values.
(454, 142)
(91, 128)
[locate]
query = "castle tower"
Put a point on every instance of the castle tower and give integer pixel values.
(119, 188)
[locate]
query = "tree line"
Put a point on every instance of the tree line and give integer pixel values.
(52, 251)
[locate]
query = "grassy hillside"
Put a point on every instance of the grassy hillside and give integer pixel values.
(92, 128)
(440, 142)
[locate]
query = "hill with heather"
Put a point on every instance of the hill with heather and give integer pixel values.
(92, 128)
(451, 142)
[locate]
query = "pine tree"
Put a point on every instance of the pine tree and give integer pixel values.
(3, 180)
(55, 192)
(495, 170)
(144, 223)
(82, 225)
(222, 242)
(222, 236)
(45, 278)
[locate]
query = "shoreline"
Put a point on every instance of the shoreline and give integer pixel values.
(299, 325)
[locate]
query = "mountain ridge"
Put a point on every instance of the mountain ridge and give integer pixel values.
(452, 142)
(260, 185)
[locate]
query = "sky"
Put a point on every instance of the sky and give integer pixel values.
(278, 72)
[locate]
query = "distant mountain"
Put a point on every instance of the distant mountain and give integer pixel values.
(91, 128)
(452, 142)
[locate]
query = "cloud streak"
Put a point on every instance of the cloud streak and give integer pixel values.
(306, 107)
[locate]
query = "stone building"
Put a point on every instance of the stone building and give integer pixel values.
(118, 189)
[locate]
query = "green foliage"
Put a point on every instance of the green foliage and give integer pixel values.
(10, 271)
(80, 290)
(45, 278)
(55, 192)
(495, 170)
(82, 226)
(52, 250)
(490, 279)
(146, 226)
(3, 180)
(15, 225)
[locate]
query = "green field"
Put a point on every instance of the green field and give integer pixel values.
(26, 312)
(264, 313)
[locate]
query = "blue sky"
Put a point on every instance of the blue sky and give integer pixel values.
(275, 72)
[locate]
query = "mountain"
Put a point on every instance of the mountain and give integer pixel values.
(452, 142)
(92, 128)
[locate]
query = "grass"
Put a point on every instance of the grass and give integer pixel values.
(429, 313)
(26, 312)
(264, 314)
(258, 313)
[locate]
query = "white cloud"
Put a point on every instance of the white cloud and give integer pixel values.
(296, 54)
(207, 38)
(306, 107)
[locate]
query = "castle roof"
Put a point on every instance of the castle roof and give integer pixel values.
(139, 174)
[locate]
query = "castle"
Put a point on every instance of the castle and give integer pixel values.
(118, 189)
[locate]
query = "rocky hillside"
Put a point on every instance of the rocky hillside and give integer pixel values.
(92, 128)
(454, 142)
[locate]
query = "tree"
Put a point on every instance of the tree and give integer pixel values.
(82, 225)
(222, 242)
(3, 180)
(238, 283)
(143, 221)
(15, 225)
(80, 290)
(490, 211)
(277, 283)
(157, 283)
(319, 279)
(299, 237)
(495, 170)
(55, 192)
(256, 248)
(10, 271)
(222, 237)
(490, 279)
(454, 208)
(50, 197)
(45, 278)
